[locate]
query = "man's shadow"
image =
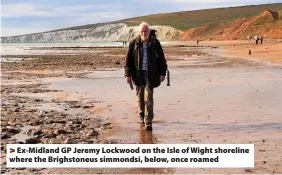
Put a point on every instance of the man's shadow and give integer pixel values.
(146, 137)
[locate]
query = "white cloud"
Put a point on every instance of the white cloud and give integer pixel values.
(59, 23)
(83, 8)
(13, 31)
(32, 9)
(60, 16)
(24, 9)
(95, 17)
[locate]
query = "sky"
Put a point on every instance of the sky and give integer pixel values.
(29, 16)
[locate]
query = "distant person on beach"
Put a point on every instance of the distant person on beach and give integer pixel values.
(146, 67)
(256, 39)
(198, 42)
(261, 39)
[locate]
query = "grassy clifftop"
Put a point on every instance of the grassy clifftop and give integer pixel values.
(280, 14)
(190, 19)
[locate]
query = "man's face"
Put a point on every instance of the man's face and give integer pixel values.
(144, 33)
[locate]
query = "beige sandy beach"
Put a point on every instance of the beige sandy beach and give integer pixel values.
(268, 52)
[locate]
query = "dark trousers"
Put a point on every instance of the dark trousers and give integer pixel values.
(145, 100)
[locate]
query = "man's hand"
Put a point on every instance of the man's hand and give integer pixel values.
(128, 79)
(162, 78)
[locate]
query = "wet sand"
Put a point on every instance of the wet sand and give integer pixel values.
(210, 106)
(212, 99)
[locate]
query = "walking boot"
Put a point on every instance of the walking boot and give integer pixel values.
(148, 127)
(142, 118)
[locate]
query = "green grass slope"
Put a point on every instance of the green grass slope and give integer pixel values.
(190, 19)
(280, 14)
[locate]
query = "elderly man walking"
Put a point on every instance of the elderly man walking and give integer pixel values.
(146, 67)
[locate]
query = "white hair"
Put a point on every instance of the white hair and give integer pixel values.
(143, 24)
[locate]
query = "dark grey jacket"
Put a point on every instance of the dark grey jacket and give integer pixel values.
(156, 62)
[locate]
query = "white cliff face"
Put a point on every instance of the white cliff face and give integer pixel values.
(108, 32)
